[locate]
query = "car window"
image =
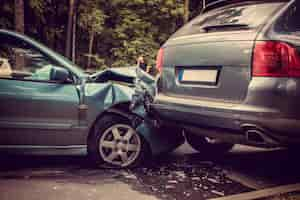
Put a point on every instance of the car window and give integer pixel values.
(289, 23)
(20, 60)
(250, 15)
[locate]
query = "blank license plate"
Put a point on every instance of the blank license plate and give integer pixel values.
(192, 75)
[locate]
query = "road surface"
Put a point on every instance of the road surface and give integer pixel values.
(184, 175)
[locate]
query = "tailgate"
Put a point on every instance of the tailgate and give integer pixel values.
(216, 69)
(211, 56)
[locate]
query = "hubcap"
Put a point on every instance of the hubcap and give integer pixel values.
(120, 145)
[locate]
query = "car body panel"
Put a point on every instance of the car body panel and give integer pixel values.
(248, 35)
(102, 96)
(231, 62)
(33, 111)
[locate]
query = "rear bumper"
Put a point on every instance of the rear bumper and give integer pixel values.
(228, 118)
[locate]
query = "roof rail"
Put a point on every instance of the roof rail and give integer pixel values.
(220, 3)
(214, 4)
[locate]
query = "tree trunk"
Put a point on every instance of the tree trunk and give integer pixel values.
(74, 37)
(186, 11)
(19, 27)
(19, 16)
(91, 42)
(69, 28)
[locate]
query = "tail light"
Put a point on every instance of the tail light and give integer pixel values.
(275, 59)
(160, 60)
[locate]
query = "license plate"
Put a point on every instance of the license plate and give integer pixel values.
(195, 75)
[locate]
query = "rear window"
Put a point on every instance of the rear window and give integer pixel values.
(289, 23)
(246, 14)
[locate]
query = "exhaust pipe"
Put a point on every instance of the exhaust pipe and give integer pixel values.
(257, 135)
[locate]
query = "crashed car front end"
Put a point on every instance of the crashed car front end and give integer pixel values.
(128, 92)
(68, 111)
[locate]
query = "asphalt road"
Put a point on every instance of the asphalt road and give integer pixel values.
(184, 174)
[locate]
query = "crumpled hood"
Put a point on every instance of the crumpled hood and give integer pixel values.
(121, 74)
(108, 87)
(104, 90)
(131, 76)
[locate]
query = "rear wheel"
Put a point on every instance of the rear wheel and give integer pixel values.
(207, 145)
(115, 142)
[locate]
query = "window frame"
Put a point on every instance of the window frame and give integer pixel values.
(73, 77)
(279, 27)
(194, 27)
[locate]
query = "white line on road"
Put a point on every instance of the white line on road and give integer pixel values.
(262, 193)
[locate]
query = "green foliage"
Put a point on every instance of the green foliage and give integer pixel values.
(91, 20)
(97, 61)
(91, 17)
(7, 14)
(38, 7)
(141, 26)
(122, 30)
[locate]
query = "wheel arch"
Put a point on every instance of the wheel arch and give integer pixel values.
(159, 141)
(119, 109)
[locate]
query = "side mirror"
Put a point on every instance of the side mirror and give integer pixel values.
(59, 74)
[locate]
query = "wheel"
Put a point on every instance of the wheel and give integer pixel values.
(115, 142)
(207, 145)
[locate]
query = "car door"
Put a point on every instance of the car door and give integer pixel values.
(34, 110)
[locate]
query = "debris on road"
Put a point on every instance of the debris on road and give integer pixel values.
(170, 187)
(218, 193)
(173, 181)
(213, 180)
(196, 178)
(129, 175)
(180, 174)
(187, 178)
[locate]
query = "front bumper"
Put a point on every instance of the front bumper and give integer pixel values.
(161, 139)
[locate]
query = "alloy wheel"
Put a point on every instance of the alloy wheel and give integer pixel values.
(120, 145)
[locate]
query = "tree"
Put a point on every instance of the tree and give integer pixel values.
(74, 37)
(19, 27)
(139, 27)
(186, 11)
(19, 16)
(72, 5)
(109, 33)
(91, 19)
(7, 14)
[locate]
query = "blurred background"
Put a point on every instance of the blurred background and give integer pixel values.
(97, 34)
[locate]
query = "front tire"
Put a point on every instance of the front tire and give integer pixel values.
(115, 142)
(206, 145)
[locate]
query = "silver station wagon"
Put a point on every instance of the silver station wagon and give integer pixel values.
(232, 75)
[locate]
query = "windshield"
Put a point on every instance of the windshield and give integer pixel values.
(248, 15)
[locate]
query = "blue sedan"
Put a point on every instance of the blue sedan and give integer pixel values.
(49, 106)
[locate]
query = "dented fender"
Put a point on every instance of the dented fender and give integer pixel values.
(104, 95)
